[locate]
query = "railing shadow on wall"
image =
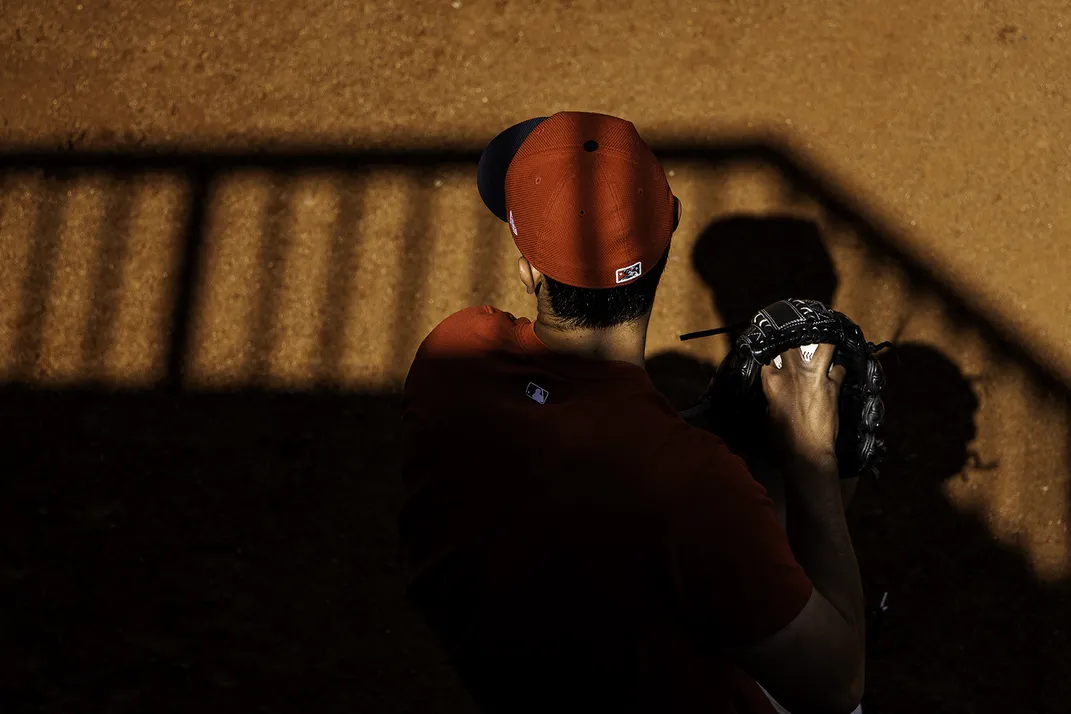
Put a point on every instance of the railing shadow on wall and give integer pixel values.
(235, 548)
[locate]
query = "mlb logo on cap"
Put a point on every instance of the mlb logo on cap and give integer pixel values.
(630, 273)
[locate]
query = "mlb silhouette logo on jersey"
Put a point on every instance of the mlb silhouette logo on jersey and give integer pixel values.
(537, 393)
(629, 273)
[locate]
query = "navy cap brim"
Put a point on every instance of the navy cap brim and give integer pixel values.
(495, 161)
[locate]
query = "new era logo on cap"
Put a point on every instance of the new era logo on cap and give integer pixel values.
(630, 273)
(512, 225)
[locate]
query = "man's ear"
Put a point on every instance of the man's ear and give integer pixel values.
(529, 275)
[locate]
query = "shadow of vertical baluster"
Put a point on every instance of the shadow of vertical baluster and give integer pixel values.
(187, 277)
(343, 261)
(114, 244)
(274, 242)
(29, 329)
(414, 264)
(491, 236)
(6, 182)
(5, 178)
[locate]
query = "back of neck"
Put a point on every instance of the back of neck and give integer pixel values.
(625, 343)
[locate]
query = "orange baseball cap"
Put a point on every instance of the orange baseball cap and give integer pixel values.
(587, 202)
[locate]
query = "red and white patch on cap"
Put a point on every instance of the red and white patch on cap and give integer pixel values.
(630, 273)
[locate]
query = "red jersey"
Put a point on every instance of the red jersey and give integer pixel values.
(573, 541)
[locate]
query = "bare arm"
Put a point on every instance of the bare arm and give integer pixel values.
(847, 490)
(774, 483)
(818, 533)
(817, 662)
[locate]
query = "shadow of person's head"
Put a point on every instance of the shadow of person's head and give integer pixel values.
(748, 262)
(751, 261)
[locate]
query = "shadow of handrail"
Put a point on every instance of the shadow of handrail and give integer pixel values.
(804, 175)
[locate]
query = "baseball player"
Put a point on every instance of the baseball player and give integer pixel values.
(573, 541)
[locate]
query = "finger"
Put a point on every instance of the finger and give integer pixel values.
(766, 373)
(791, 358)
(837, 374)
(769, 373)
(822, 359)
(775, 365)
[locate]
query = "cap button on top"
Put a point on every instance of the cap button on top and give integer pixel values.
(590, 145)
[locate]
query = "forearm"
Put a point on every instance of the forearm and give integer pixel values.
(847, 490)
(773, 481)
(818, 533)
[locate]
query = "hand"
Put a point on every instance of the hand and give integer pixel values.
(803, 396)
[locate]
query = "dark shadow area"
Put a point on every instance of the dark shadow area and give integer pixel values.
(229, 552)
(170, 550)
(969, 628)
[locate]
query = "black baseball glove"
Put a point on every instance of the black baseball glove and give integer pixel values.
(734, 405)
